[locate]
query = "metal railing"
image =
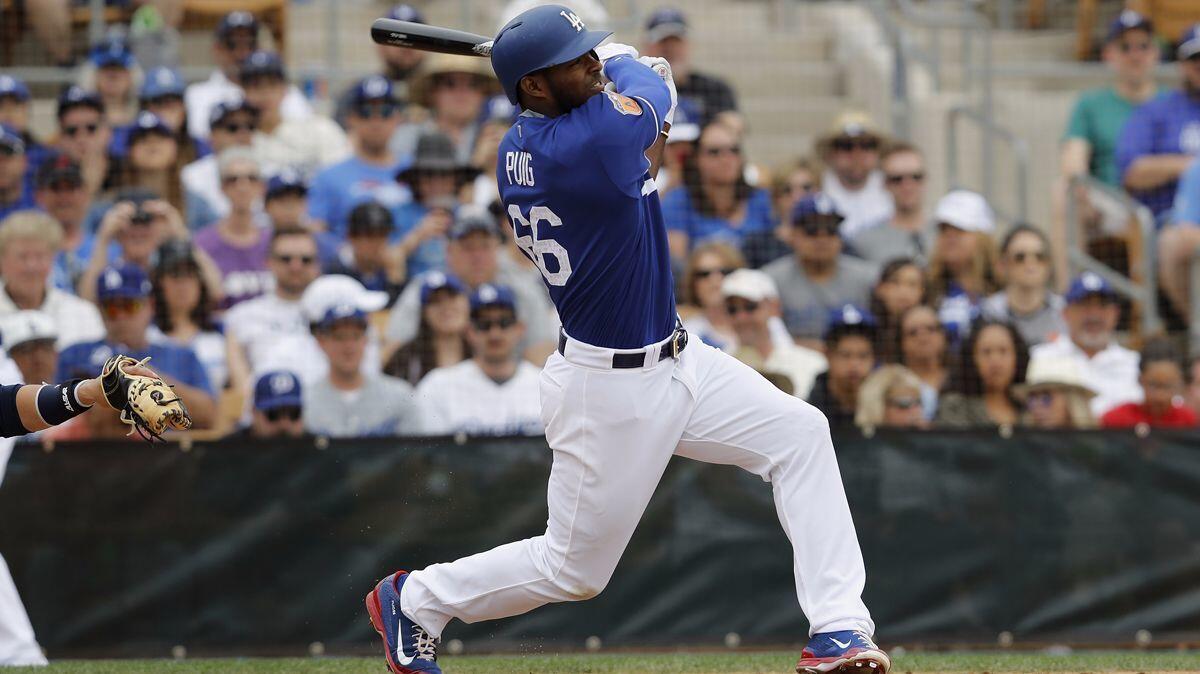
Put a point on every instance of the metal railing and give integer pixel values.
(1144, 291)
(1018, 146)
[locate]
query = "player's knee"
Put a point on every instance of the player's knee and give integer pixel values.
(579, 586)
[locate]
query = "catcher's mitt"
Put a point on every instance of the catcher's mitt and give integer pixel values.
(146, 403)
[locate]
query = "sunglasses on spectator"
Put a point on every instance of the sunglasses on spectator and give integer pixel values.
(717, 151)
(897, 178)
(734, 308)
(851, 144)
(289, 412)
(1040, 398)
(164, 99)
(723, 271)
(117, 307)
(916, 330)
(903, 403)
(302, 259)
(237, 177)
(74, 129)
(1021, 256)
(819, 228)
(486, 324)
(237, 128)
(803, 188)
(1127, 47)
(381, 111)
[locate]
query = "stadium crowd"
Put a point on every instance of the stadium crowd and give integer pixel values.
(292, 273)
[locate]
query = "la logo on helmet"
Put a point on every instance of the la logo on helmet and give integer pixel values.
(576, 22)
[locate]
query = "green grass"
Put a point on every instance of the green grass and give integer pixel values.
(656, 663)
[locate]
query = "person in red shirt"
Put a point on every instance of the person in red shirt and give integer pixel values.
(1162, 379)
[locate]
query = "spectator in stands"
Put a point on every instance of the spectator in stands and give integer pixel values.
(818, 278)
(496, 391)
(14, 113)
(236, 243)
(162, 94)
(1090, 141)
(15, 194)
(1056, 395)
(59, 191)
(232, 124)
(708, 266)
(484, 189)
(372, 118)
(752, 300)
(435, 177)
(850, 350)
(367, 258)
(901, 286)
(124, 295)
(278, 406)
(1108, 369)
(235, 40)
(890, 397)
(472, 255)
(183, 310)
(441, 335)
(705, 97)
(680, 145)
(962, 268)
(923, 347)
(993, 362)
(792, 182)
(1162, 380)
(286, 207)
(852, 177)
(29, 337)
(907, 232)
(715, 202)
(453, 89)
(1160, 138)
(401, 63)
(347, 403)
(150, 163)
(84, 135)
(1026, 300)
(28, 242)
(304, 144)
(131, 231)
(1178, 243)
(110, 72)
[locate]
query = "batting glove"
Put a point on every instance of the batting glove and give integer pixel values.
(612, 50)
(662, 68)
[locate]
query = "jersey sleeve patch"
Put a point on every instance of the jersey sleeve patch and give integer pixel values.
(624, 104)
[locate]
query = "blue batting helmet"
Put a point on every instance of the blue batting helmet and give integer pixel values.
(539, 38)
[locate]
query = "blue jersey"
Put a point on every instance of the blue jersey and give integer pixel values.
(584, 208)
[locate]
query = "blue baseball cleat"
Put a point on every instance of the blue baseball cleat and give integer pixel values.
(408, 647)
(844, 652)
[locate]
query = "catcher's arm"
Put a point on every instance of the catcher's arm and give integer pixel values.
(33, 407)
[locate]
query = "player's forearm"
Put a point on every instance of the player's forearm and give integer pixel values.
(655, 152)
(1151, 171)
(42, 406)
(635, 80)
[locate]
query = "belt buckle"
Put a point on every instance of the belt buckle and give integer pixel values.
(678, 342)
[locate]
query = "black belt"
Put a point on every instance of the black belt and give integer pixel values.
(627, 361)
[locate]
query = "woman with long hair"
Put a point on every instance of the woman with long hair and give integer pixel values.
(151, 162)
(993, 362)
(441, 335)
(922, 348)
(890, 397)
(962, 268)
(183, 309)
(707, 267)
(1027, 300)
(901, 286)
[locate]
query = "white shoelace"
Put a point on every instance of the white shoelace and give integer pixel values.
(425, 645)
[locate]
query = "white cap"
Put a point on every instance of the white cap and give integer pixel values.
(965, 210)
(339, 295)
(27, 326)
(749, 284)
(1046, 371)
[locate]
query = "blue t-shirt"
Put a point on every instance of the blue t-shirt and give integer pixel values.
(431, 254)
(583, 207)
(337, 189)
(680, 216)
(85, 359)
(1187, 196)
(1167, 124)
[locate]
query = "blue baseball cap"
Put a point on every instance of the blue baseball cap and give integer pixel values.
(1090, 284)
(403, 12)
(666, 22)
(147, 123)
(277, 389)
(225, 108)
(849, 319)
(1189, 44)
(76, 96)
(539, 38)
(239, 20)
(284, 182)
(11, 142)
(491, 295)
(435, 281)
(161, 82)
(262, 64)
(373, 88)
(1128, 20)
(813, 207)
(113, 51)
(13, 86)
(123, 282)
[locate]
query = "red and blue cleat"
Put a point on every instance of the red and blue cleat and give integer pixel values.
(844, 652)
(408, 647)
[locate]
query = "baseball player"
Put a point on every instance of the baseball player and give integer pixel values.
(626, 389)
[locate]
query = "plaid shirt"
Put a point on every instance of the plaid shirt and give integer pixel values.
(1167, 124)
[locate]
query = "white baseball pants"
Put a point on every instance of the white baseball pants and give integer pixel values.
(612, 433)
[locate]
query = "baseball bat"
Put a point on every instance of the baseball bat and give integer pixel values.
(430, 38)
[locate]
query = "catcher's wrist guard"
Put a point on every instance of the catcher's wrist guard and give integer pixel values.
(56, 403)
(147, 404)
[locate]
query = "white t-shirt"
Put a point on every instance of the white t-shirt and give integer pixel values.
(202, 179)
(76, 319)
(1112, 373)
(862, 208)
(462, 399)
(303, 145)
(201, 97)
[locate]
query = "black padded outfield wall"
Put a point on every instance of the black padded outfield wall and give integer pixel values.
(243, 548)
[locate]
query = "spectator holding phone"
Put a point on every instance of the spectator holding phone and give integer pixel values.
(435, 177)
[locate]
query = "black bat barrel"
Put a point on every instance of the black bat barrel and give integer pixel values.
(429, 38)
